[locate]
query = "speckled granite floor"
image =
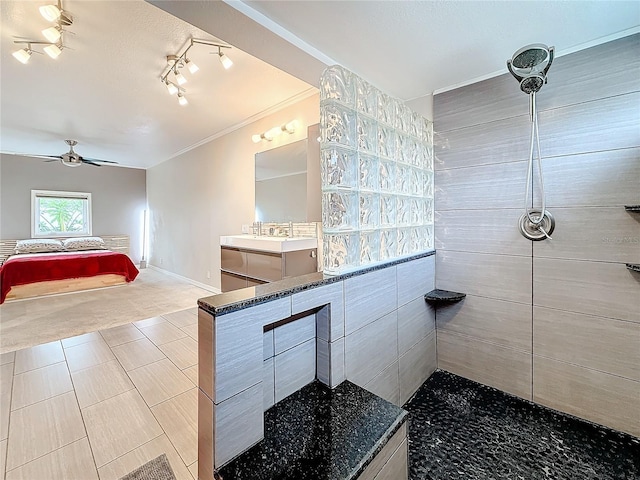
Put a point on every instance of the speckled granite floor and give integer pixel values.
(459, 429)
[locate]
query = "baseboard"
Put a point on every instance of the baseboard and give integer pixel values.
(204, 286)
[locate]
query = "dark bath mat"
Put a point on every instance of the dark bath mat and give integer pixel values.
(156, 469)
(462, 430)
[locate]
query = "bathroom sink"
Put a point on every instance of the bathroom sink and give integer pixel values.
(269, 244)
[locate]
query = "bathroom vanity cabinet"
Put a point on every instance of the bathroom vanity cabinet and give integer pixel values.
(244, 267)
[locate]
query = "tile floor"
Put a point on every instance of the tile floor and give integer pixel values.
(101, 404)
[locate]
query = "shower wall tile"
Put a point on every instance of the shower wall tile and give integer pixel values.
(492, 231)
(602, 398)
(572, 79)
(594, 288)
(484, 143)
(294, 333)
(502, 277)
(416, 320)
(609, 178)
(604, 344)
(368, 297)
(387, 384)
(294, 369)
(416, 365)
(326, 295)
(481, 188)
(615, 239)
(499, 367)
(415, 279)
(495, 321)
(268, 384)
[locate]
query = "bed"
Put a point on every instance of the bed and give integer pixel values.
(28, 275)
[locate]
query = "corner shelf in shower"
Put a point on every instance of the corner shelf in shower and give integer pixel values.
(439, 297)
(632, 208)
(634, 267)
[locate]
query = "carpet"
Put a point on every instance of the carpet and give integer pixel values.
(156, 469)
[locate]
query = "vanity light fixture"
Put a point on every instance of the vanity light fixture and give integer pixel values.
(177, 62)
(270, 134)
(54, 45)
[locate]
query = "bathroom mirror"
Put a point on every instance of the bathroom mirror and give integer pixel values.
(288, 181)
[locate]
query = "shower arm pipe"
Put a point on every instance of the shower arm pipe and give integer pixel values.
(535, 137)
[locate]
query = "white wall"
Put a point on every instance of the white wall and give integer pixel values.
(210, 191)
(118, 196)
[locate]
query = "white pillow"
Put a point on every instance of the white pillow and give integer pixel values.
(83, 243)
(39, 245)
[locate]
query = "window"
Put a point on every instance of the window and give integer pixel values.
(60, 214)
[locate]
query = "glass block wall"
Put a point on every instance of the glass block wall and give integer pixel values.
(377, 175)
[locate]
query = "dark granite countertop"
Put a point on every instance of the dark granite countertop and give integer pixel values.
(228, 302)
(319, 434)
(438, 296)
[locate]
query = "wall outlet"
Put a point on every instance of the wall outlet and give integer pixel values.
(161, 260)
(208, 274)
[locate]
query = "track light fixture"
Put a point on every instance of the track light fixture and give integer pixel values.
(177, 62)
(272, 133)
(54, 45)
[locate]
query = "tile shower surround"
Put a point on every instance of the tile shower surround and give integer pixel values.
(378, 314)
(556, 322)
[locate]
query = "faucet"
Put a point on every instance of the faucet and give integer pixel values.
(291, 229)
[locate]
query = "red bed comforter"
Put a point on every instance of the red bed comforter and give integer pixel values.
(24, 269)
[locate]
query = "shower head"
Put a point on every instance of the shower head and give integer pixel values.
(529, 65)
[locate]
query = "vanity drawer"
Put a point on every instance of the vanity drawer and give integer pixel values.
(233, 260)
(230, 281)
(264, 266)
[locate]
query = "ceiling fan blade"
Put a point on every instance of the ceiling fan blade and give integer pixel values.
(89, 162)
(96, 160)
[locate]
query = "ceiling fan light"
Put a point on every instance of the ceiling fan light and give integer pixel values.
(171, 88)
(52, 34)
(182, 100)
(226, 61)
(50, 12)
(23, 55)
(193, 68)
(181, 79)
(52, 50)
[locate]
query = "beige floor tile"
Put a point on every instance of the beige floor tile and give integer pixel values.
(39, 384)
(136, 354)
(183, 352)
(101, 382)
(160, 381)
(164, 332)
(121, 334)
(71, 462)
(42, 428)
(79, 339)
(193, 469)
(178, 417)
(191, 330)
(38, 356)
(118, 425)
(8, 357)
(141, 455)
(148, 322)
(192, 374)
(182, 318)
(6, 383)
(3, 456)
(88, 355)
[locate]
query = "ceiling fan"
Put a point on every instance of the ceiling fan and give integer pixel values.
(72, 159)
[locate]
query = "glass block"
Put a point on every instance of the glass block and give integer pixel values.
(429, 232)
(416, 125)
(402, 148)
(369, 172)
(369, 210)
(337, 83)
(417, 213)
(386, 109)
(415, 153)
(403, 210)
(403, 179)
(388, 243)
(366, 97)
(339, 168)
(387, 210)
(337, 124)
(403, 116)
(404, 242)
(418, 241)
(386, 141)
(339, 210)
(369, 247)
(428, 157)
(428, 184)
(428, 211)
(427, 131)
(417, 179)
(367, 133)
(340, 252)
(387, 175)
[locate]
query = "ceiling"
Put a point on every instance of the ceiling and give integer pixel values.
(105, 91)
